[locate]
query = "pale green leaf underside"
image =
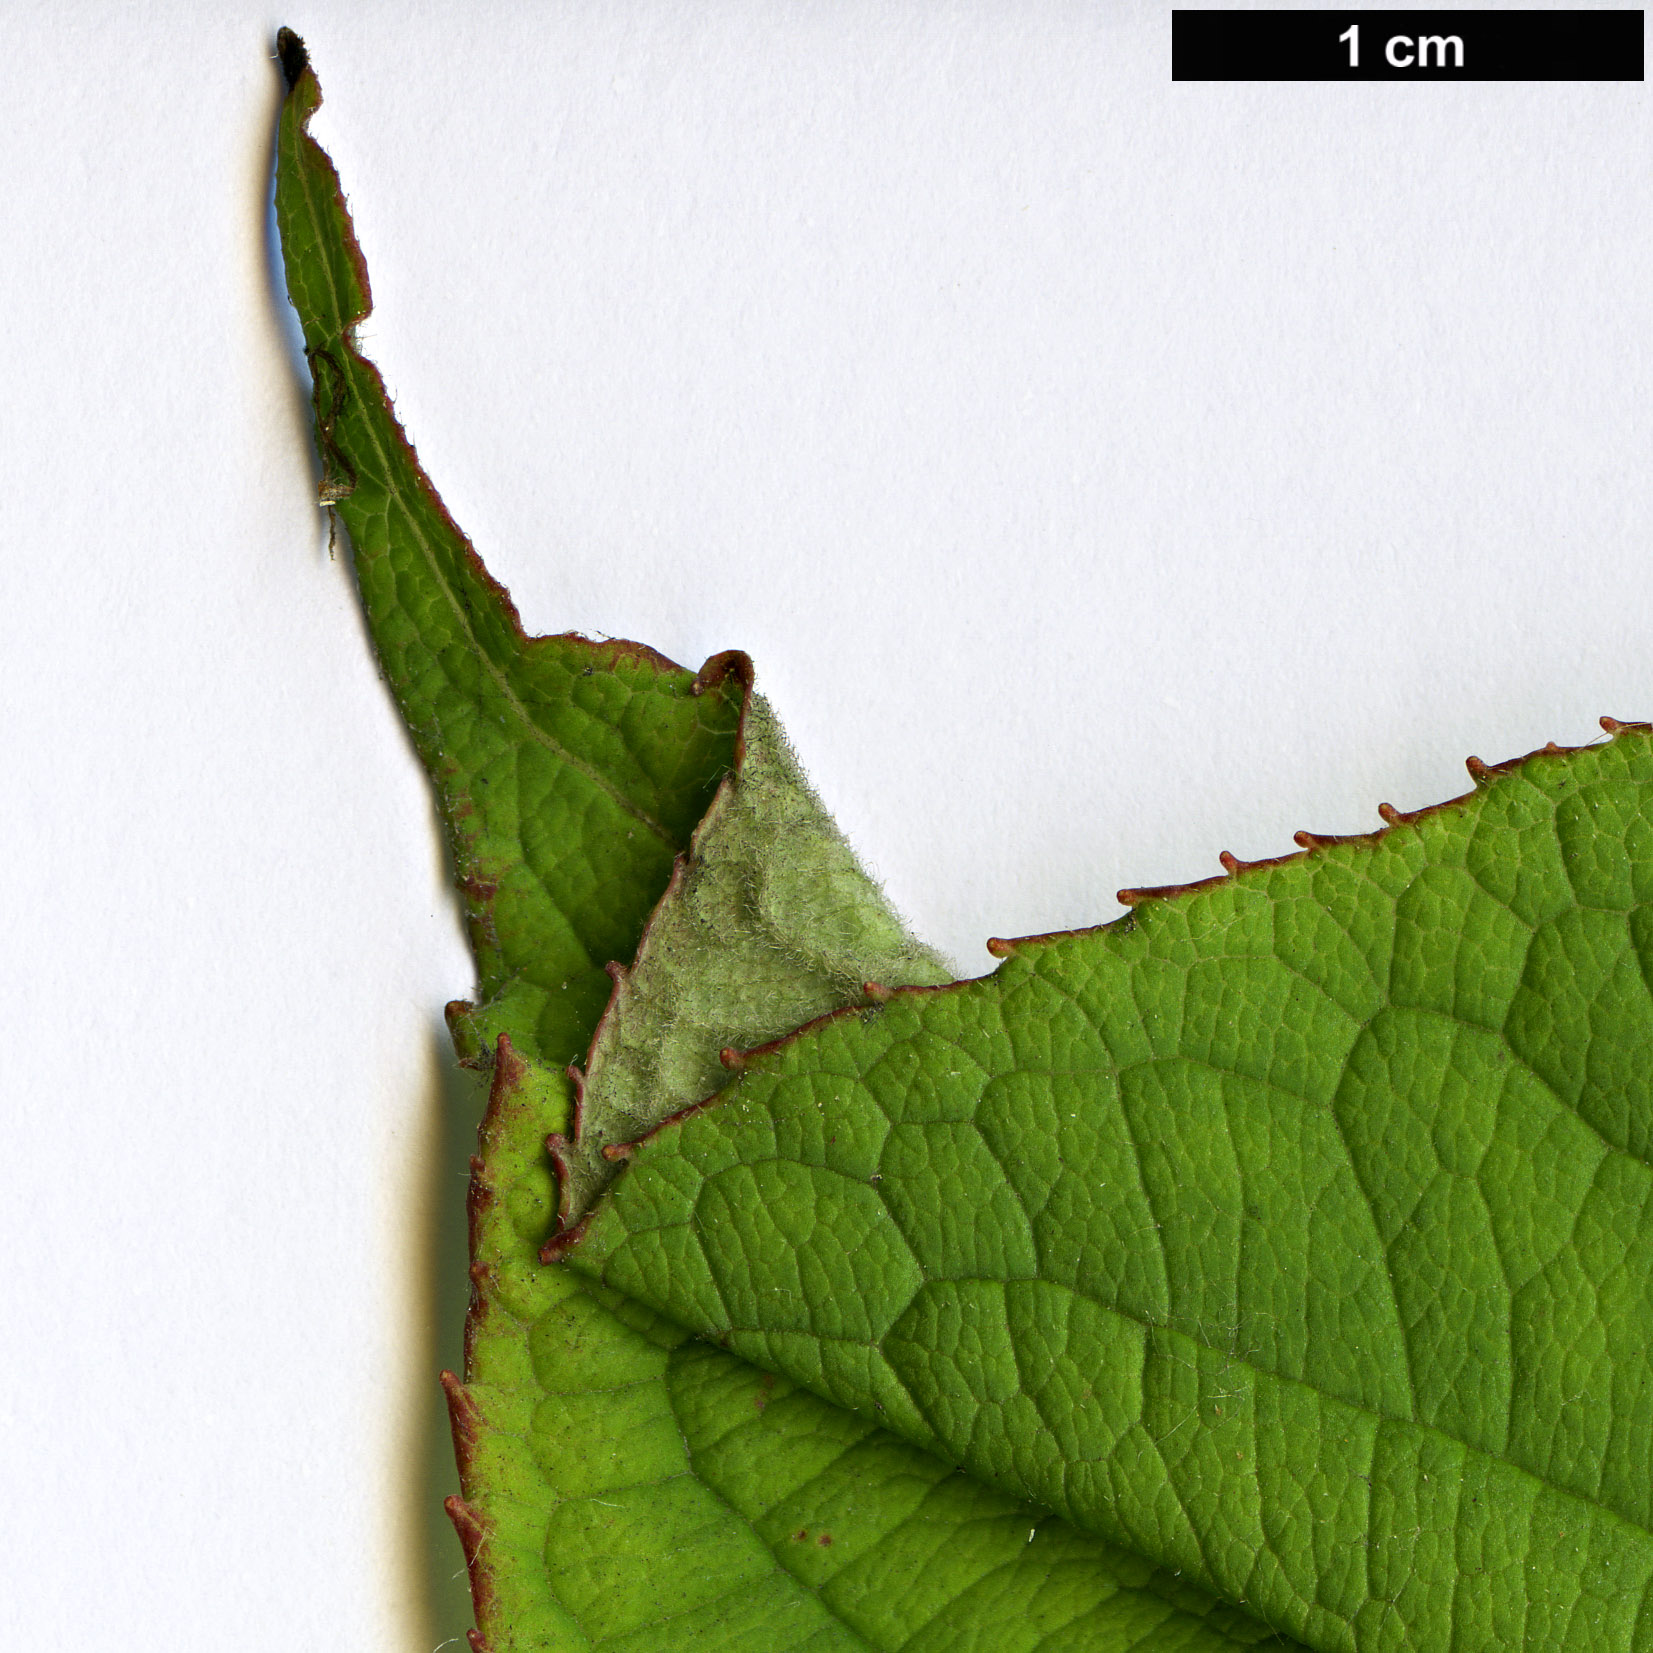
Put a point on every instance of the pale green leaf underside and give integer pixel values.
(769, 921)
(1296, 1233)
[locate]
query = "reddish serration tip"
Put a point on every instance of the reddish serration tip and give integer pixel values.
(1478, 770)
(467, 1523)
(877, 992)
(734, 663)
(472, 1536)
(617, 972)
(1611, 725)
(563, 1241)
(616, 1151)
(734, 1060)
(1390, 815)
(463, 1418)
(1001, 948)
(460, 1403)
(1231, 862)
(508, 1071)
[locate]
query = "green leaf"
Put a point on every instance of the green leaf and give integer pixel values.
(1295, 1231)
(570, 774)
(602, 805)
(1287, 1240)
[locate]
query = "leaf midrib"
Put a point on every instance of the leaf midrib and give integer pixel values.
(1236, 1359)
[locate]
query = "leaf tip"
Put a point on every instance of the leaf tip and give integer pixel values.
(294, 58)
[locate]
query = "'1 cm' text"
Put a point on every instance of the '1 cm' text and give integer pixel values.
(1404, 51)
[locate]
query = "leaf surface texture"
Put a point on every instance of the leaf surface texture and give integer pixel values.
(1296, 1232)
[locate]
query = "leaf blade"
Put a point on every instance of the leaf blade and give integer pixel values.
(569, 773)
(1186, 1364)
(566, 1398)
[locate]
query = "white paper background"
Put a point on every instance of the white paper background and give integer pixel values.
(1103, 472)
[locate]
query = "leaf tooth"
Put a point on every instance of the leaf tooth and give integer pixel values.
(473, 1538)
(1313, 841)
(509, 1069)
(1167, 892)
(561, 1146)
(561, 1150)
(464, 1419)
(472, 1052)
(735, 663)
(560, 1243)
(1478, 771)
(1233, 866)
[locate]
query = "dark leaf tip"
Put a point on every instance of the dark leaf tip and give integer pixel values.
(294, 58)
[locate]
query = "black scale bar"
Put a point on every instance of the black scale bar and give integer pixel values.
(1406, 45)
